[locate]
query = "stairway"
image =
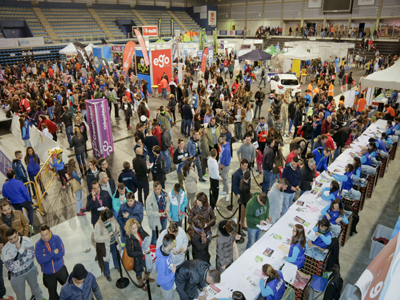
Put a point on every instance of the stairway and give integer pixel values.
(102, 25)
(42, 18)
(177, 20)
(139, 16)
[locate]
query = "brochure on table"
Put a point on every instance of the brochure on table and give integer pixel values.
(306, 210)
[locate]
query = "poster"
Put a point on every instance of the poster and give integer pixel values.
(129, 52)
(162, 63)
(314, 3)
(5, 163)
(143, 71)
(365, 2)
(99, 123)
(212, 18)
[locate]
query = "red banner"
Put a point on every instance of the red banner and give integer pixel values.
(149, 31)
(204, 59)
(143, 46)
(162, 62)
(129, 52)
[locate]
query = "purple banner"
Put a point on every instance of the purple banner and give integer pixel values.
(100, 127)
(5, 163)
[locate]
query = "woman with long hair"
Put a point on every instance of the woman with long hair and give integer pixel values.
(191, 179)
(57, 115)
(135, 236)
(200, 239)
(76, 187)
(297, 246)
(32, 162)
(273, 284)
(78, 143)
(82, 127)
(334, 192)
(323, 233)
(24, 125)
(106, 233)
(202, 208)
(334, 213)
(227, 234)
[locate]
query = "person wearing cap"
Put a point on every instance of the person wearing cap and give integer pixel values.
(80, 284)
(18, 255)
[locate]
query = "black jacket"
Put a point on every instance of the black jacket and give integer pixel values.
(165, 140)
(244, 190)
(150, 141)
(190, 278)
(90, 177)
(128, 177)
(187, 112)
(134, 249)
(307, 130)
(158, 169)
(66, 117)
(298, 118)
(259, 96)
(79, 144)
(140, 167)
(306, 178)
(268, 159)
(341, 136)
(292, 110)
(93, 206)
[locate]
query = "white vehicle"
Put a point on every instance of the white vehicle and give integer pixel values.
(281, 82)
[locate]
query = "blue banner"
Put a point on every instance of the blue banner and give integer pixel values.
(97, 59)
(143, 71)
(106, 53)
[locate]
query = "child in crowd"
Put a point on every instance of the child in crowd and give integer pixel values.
(76, 186)
(45, 131)
(58, 165)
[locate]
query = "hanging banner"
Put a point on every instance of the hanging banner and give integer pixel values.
(97, 57)
(99, 123)
(202, 39)
(143, 46)
(159, 28)
(204, 60)
(314, 3)
(215, 42)
(129, 52)
(162, 63)
(172, 28)
(5, 163)
(143, 71)
(212, 18)
(149, 30)
(83, 57)
(175, 49)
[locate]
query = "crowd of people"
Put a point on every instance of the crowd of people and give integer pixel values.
(216, 110)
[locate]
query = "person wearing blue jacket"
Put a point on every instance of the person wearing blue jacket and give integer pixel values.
(322, 230)
(32, 162)
(334, 213)
(24, 126)
(165, 268)
(128, 177)
(18, 167)
(321, 156)
(380, 146)
(58, 165)
(391, 131)
(386, 140)
(366, 156)
(130, 210)
(224, 164)
(49, 252)
(292, 173)
(334, 192)
(80, 284)
(178, 202)
(298, 247)
(273, 286)
(16, 192)
(193, 147)
(347, 183)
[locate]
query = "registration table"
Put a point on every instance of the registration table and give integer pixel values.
(245, 273)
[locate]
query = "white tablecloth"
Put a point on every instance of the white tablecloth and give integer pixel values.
(244, 274)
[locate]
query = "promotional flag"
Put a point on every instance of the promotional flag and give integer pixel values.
(143, 46)
(202, 39)
(105, 65)
(97, 56)
(172, 28)
(215, 42)
(159, 28)
(204, 60)
(129, 52)
(83, 57)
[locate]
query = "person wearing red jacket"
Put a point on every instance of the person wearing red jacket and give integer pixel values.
(157, 131)
(163, 85)
(24, 104)
(295, 153)
(330, 143)
(326, 125)
(50, 125)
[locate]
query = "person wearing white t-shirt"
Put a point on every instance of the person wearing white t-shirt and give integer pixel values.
(215, 178)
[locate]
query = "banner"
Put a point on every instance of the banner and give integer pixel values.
(162, 63)
(365, 2)
(117, 48)
(83, 57)
(159, 28)
(210, 55)
(204, 60)
(143, 71)
(129, 52)
(212, 18)
(172, 28)
(31, 41)
(99, 123)
(314, 3)
(202, 39)
(143, 46)
(5, 163)
(149, 30)
(215, 42)
(97, 57)
(106, 66)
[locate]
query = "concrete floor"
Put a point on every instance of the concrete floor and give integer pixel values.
(59, 206)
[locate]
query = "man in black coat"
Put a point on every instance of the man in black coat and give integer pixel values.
(298, 118)
(187, 116)
(341, 136)
(259, 96)
(307, 175)
(268, 164)
(141, 170)
(96, 199)
(193, 276)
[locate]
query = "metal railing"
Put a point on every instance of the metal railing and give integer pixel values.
(32, 185)
(43, 180)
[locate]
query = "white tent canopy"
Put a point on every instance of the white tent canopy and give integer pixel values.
(70, 49)
(387, 79)
(299, 53)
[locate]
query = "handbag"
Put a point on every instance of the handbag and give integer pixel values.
(75, 185)
(127, 261)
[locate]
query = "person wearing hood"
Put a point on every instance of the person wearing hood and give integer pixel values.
(227, 235)
(193, 276)
(80, 284)
(193, 146)
(180, 245)
(128, 178)
(49, 252)
(141, 170)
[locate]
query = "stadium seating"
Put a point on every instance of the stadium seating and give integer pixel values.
(109, 17)
(187, 20)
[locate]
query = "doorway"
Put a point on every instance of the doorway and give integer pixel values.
(361, 28)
